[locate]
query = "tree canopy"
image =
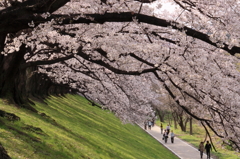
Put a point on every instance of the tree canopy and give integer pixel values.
(128, 55)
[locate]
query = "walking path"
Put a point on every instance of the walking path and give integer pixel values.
(180, 148)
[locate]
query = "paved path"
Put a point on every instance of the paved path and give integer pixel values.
(180, 148)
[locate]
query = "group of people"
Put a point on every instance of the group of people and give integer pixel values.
(148, 124)
(207, 147)
(166, 133)
(201, 148)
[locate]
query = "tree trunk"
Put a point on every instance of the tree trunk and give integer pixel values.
(3, 153)
(190, 123)
(10, 74)
(185, 124)
(175, 121)
(160, 115)
(181, 124)
(169, 119)
(18, 84)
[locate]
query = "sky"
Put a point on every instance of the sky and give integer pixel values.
(163, 5)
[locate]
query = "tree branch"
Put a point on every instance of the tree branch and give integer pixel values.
(209, 136)
(21, 16)
(48, 62)
(128, 17)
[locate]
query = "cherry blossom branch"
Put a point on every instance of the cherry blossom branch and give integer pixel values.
(5, 27)
(129, 16)
(114, 69)
(37, 63)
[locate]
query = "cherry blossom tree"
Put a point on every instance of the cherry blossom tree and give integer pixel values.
(114, 51)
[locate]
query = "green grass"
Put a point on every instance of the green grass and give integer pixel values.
(70, 128)
(198, 136)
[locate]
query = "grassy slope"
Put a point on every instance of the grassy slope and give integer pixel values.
(70, 128)
(199, 135)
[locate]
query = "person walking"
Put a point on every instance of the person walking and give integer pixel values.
(161, 126)
(168, 129)
(149, 124)
(163, 138)
(145, 124)
(165, 134)
(201, 149)
(153, 122)
(172, 136)
(208, 147)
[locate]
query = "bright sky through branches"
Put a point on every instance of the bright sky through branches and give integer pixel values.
(162, 6)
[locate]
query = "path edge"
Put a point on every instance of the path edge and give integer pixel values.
(168, 147)
(159, 141)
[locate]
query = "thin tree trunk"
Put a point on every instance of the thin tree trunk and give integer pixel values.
(3, 153)
(180, 122)
(175, 120)
(185, 124)
(160, 115)
(169, 119)
(191, 127)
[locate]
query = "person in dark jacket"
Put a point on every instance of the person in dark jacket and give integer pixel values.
(149, 124)
(165, 135)
(208, 147)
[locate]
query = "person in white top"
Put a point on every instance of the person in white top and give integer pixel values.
(168, 129)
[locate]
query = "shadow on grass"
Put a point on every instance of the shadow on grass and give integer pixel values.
(40, 148)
